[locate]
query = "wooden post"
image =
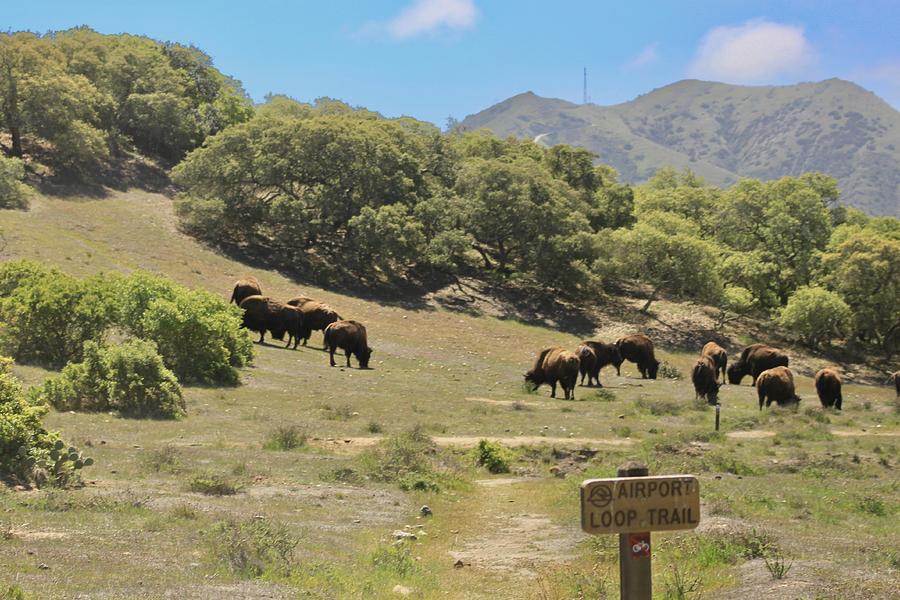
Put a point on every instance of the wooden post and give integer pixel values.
(718, 406)
(634, 550)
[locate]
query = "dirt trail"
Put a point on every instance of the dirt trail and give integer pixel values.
(356, 444)
(501, 537)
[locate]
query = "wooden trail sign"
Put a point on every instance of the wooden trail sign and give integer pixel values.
(633, 505)
(636, 504)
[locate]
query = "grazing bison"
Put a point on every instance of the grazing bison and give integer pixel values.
(895, 379)
(262, 314)
(316, 317)
(828, 386)
(349, 336)
(553, 365)
(754, 360)
(776, 385)
(638, 349)
(588, 364)
(245, 287)
(705, 377)
(719, 357)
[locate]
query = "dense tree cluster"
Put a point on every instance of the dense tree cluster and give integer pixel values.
(324, 187)
(70, 98)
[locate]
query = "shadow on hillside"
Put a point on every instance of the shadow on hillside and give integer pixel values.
(122, 174)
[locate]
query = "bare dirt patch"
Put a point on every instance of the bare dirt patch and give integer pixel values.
(750, 435)
(357, 444)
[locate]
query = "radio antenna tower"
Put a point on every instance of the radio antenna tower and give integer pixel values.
(586, 98)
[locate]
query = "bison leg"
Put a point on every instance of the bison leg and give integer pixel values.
(762, 396)
(838, 401)
(262, 337)
(347, 353)
(331, 356)
(553, 389)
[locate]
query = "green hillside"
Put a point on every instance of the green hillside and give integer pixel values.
(818, 488)
(724, 132)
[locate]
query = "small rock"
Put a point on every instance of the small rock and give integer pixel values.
(459, 564)
(402, 589)
(621, 416)
(425, 511)
(403, 535)
(30, 552)
(357, 521)
(43, 566)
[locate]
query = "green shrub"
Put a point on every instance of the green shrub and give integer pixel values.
(28, 452)
(816, 315)
(46, 316)
(198, 335)
(13, 192)
(130, 378)
(12, 592)
(253, 548)
(213, 485)
(412, 460)
(286, 437)
(492, 456)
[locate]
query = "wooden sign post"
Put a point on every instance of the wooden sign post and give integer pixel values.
(633, 505)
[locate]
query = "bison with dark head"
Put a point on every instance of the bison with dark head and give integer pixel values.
(776, 385)
(262, 314)
(607, 354)
(705, 379)
(244, 288)
(316, 317)
(754, 360)
(588, 365)
(351, 337)
(554, 365)
(828, 387)
(638, 349)
(719, 357)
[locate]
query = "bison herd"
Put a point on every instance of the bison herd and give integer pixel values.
(298, 318)
(766, 366)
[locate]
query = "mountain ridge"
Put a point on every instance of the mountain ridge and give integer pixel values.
(724, 132)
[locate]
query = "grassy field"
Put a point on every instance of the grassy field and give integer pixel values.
(214, 505)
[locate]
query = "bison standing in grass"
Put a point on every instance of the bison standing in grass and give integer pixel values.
(244, 288)
(349, 336)
(588, 365)
(776, 385)
(705, 377)
(262, 314)
(554, 365)
(607, 354)
(754, 360)
(638, 349)
(828, 386)
(719, 357)
(316, 317)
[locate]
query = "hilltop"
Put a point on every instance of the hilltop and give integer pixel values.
(725, 132)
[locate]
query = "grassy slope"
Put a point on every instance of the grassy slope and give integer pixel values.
(822, 494)
(725, 131)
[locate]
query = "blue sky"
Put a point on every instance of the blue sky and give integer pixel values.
(435, 58)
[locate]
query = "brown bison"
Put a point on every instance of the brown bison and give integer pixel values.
(316, 317)
(638, 349)
(828, 386)
(776, 385)
(553, 365)
(349, 336)
(705, 377)
(719, 357)
(588, 365)
(299, 300)
(895, 379)
(607, 354)
(245, 287)
(754, 360)
(262, 314)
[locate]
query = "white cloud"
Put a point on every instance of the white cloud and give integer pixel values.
(645, 57)
(756, 52)
(426, 16)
